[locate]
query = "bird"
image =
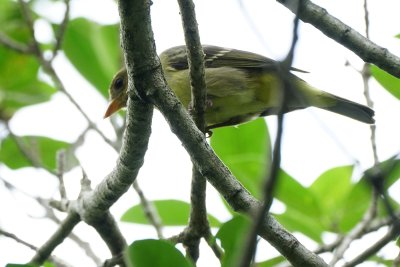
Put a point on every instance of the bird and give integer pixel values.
(241, 86)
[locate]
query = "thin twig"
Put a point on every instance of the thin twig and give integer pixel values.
(26, 13)
(61, 162)
(366, 18)
(378, 223)
(28, 152)
(329, 247)
(149, 210)
(49, 69)
(61, 30)
(49, 213)
(357, 231)
(370, 214)
(85, 246)
(390, 235)
(366, 75)
(17, 239)
(14, 45)
(272, 177)
(54, 259)
(218, 252)
(57, 238)
(60, 86)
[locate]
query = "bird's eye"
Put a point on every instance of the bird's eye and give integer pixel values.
(119, 84)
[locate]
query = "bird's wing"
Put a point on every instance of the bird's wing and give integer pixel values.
(216, 57)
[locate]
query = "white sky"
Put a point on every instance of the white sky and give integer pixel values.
(314, 140)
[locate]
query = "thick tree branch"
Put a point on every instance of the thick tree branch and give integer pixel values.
(102, 221)
(345, 35)
(92, 207)
(144, 65)
(130, 159)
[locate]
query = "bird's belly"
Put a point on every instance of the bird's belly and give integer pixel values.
(232, 110)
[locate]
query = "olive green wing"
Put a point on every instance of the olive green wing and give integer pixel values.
(216, 57)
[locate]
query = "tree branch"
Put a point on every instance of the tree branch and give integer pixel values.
(61, 31)
(101, 220)
(144, 65)
(389, 236)
(198, 222)
(92, 207)
(345, 35)
(272, 177)
(149, 210)
(357, 231)
(14, 45)
(57, 238)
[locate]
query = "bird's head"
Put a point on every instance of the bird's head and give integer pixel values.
(118, 92)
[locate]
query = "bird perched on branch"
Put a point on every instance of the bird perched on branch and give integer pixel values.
(241, 86)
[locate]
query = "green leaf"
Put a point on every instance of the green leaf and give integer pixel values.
(43, 149)
(388, 81)
(94, 51)
(354, 206)
(332, 186)
(45, 264)
(155, 253)
(48, 264)
(380, 260)
(172, 213)
(295, 220)
(245, 149)
(295, 196)
(271, 262)
(19, 83)
(232, 236)
(12, 22)
(332, 189)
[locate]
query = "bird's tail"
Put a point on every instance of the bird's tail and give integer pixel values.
(350, 109)
(330, 102)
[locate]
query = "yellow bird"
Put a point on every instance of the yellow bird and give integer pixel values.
(241, 86)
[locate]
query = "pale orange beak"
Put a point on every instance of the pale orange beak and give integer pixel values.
(113, 107)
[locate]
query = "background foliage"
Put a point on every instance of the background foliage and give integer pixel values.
(334, 203)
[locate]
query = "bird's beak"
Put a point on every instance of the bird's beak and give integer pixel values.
(113, 107)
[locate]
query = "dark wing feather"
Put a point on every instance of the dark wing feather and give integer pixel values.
(216, 57)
